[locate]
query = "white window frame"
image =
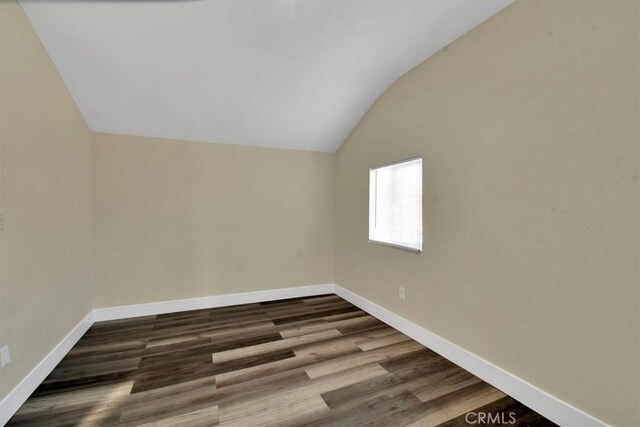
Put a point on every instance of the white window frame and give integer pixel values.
(372, 209)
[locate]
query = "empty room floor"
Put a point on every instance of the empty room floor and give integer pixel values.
(304, 361)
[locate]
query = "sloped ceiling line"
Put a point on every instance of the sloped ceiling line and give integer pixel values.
(282, 74)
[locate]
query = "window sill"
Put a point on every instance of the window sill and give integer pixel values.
(393, 245)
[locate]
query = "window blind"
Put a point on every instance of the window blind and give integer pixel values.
(395, 204)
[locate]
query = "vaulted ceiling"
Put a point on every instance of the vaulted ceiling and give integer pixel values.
(282, 74)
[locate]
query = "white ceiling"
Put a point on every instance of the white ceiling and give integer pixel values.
(282, 74)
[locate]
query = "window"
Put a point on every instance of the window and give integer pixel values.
(395, 204)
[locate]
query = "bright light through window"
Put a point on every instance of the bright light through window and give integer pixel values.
(395, 204)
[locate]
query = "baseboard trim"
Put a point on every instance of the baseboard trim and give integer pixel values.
(539, 400)
(16, 397)
(551, 407)
(137, 310)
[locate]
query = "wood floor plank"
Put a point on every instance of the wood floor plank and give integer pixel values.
(158, 404)
(201, 418)
(302, 361)
(90, 397)
(438, 411)
(505, 411)
(374, 356)
(344, 343)
(376, 412)
(321, 313)
(362, 321)
(348, 398)
(287, 343)
(71, 372)
(281, 403)
(349, 315)
(320, 300)
(273, 411)
(373, 343)
(304, 356)
(82, 351)
(445, 383)
(264, 370)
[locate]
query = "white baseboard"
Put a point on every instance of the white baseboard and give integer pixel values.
(539, 400)
(12, 402)
(136, 310)
(551, 407)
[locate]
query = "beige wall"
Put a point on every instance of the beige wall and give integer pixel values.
(177, 219)
(46, 200)
(528, 126)
(529, 130)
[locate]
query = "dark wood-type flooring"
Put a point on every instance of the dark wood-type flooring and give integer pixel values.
(305, 361)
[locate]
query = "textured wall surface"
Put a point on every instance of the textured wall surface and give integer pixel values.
(46, 200)
(176, 219)
(528, 126)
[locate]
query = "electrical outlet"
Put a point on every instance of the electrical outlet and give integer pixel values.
(4, 355)
(401, 293)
